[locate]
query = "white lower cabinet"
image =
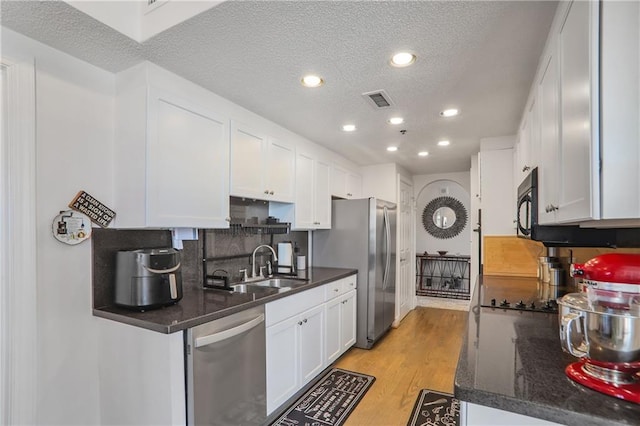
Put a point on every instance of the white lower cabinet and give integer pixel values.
(305, 333)
(480, 415)
(341, 320)
(295, 355)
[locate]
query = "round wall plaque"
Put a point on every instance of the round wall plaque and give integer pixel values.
(71, 227)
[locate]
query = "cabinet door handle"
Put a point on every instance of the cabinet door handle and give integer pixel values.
(305, 320)
(228, 219)
(299, 322)
(553, 208)
(526, 168)
(349, 194)
(266, 191)
(271, 192)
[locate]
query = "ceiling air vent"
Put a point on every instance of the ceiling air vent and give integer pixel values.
(378, 99)
(153, 5)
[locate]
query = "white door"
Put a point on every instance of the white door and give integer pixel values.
(248, 148)
(311, 326)
(283, 359)
(194, 143)
(281, 171)
(348, 320)
(405, 282)
(334, 323)
(322, 195)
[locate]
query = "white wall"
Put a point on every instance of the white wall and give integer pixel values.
(497, 196)
(74, 125)
(381, 181)
(428, 187)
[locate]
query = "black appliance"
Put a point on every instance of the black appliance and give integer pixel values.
(561, 235)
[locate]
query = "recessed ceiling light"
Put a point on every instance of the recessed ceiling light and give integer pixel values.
(423, 153)
(443, 143)
(449, 112)
(392, 148)
(396, 120)
(349, 127)
(403, 59)
(312, 81)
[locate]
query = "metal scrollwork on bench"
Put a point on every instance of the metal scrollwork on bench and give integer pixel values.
(444, 217)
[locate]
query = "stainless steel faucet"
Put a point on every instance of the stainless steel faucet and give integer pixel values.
(253, 260)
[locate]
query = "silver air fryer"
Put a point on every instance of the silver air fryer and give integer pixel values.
(148, 278)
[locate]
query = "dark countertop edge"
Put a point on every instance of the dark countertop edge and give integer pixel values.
(192, 322)
(527, 408)
(466, 392)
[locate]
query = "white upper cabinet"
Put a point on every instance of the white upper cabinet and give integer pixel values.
(579, 152)
(528, 145)
(550, 136)
(588, 96)
(344, 183)
(354, 185)
(620, 115)
(261, 167)
(313, 197)
(171, 160)
(322, 202)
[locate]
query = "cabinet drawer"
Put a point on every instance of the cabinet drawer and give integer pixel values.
(333, 289)
(349, 283)
(293, 305)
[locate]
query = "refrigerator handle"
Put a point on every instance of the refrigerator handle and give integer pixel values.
(387, 247)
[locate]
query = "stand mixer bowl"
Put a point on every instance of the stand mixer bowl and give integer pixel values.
(598, 332)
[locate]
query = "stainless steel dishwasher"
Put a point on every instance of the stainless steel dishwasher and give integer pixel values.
(226, 370)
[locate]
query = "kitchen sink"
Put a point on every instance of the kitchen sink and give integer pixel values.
(279, 283)
(268, 286)
(249, 288)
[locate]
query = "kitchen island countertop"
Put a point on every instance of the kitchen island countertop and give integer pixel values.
(512, 360)
(199, 306)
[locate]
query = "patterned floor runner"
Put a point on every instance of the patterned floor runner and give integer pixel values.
(329, 402)
(435, 409)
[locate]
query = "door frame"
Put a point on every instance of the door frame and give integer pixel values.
(18, 304)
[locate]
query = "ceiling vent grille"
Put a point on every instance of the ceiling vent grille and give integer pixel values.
(153, 5)
(378, 99)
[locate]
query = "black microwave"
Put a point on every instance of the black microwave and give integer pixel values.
(527, 225)
(527, 206)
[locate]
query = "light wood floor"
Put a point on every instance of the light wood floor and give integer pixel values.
(421, 353)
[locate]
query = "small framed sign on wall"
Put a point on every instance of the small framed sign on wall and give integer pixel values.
(99, 213)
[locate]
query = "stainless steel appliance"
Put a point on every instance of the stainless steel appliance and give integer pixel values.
(148, 278)
(601, 326)
(362, 236)
(226, 370)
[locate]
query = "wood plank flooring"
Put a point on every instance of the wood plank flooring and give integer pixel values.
(421, 353)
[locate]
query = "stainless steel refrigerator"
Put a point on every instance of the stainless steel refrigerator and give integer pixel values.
(363, 236)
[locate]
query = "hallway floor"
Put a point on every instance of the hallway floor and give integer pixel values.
(421, 353)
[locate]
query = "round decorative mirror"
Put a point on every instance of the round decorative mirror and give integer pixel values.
(444, 217)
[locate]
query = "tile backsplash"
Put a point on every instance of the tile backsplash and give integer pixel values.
(224, 250)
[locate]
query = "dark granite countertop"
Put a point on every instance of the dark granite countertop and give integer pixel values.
(200, 306)
(512, 360)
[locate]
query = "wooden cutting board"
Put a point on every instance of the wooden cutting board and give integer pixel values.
(511, 256)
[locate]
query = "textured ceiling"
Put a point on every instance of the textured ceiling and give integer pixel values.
(478, 56)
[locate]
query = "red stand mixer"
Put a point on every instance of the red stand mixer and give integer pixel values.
(601, 325)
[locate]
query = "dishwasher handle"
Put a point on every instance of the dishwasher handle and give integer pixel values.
(226, 334)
